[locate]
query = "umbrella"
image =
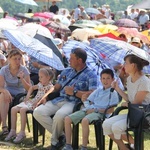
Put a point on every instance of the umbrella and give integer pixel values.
(63, 19)
(145, 4)
(84, 34)
(128, 23)
(22, 15)
(61, 10)
(106, 21)
(92, 11)
(93, 60)
(106, 28)
(46, 15)
(56, 27)
(32, 29)
(117, 50)
(29, 2)
(34, 47)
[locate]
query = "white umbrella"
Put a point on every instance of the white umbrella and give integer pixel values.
(34, 48)
(29, 2)
(32, 29)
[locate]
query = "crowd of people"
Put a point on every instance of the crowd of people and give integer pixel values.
(21, 73)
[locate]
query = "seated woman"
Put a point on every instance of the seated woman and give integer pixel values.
(14, 79)
(44, 87)
(138, 89)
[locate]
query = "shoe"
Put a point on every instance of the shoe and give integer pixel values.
(67, 147)
(58, 146)
(129, 147)
(10, 136)
(20, 137)
(62, 140)
(5, 131)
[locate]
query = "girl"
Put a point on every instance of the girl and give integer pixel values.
(138, 89)
(44, 88)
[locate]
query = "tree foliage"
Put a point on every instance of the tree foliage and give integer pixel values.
(116, 5)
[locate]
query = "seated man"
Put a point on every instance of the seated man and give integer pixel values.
(95, 106)
(81, 80)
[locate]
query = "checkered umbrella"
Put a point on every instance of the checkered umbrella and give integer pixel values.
(128, 23)
(117, 50)
(34, 47)
(94, 60)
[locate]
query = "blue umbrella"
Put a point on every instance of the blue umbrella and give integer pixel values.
(94, 60)
(29, 2)
(92, 11)
(117, 50)
(34, 48)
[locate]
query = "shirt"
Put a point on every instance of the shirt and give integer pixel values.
(85, 81)
(102, 98)
(12, 83)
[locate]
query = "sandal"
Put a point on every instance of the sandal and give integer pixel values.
(20, 137)
(5, 131)
(10, 136)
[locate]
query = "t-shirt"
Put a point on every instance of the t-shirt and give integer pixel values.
(12, 83)
(54, 9)
(142, 84)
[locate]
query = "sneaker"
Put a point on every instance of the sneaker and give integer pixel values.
(83, 148)
(62, 140)
(20, 137)
(10, 136)
(67, 147)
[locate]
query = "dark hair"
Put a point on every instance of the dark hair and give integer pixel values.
(5, 14)
(107, 71)
(122, 35)
(80, 53)
(137, 60)
(14, 53)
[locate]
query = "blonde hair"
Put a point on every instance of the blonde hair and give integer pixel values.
(48, 72)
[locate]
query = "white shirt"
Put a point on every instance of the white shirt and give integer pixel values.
(77, 12)
(143, 19)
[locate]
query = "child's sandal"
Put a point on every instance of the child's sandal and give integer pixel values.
(5, 131)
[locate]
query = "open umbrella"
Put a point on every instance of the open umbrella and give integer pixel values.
(106, 21)
(46, 15)
(63, 19)
(84, 34)
(91, 11)
(32, 29)
(144, 4)
(117, 50)
(1, 10)
(34, 47)
(29, 2)
(128, 23)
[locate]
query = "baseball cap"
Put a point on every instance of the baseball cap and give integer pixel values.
(136, 40)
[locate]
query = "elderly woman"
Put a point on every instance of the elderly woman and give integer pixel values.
(138, 89)
(14, 79)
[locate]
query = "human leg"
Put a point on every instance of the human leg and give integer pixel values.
(42, 114)
(66, 108)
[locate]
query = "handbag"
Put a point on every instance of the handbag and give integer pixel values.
(138, 113)
(55, 94)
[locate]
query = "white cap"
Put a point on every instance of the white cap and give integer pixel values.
(136, 40)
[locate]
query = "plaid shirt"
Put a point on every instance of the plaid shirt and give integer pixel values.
(85, 81)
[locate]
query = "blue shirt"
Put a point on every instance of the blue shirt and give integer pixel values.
(101, 99)
(85, 81)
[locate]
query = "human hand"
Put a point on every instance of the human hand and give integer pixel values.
(35, 64)
(84, 97)
(69, 90)
(20, 75)
(42, 101)
(114, 85)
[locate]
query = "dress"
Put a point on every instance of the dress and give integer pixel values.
(12, 83)
(117, 125)
(41, 91)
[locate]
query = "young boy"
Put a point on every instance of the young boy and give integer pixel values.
(94, 108)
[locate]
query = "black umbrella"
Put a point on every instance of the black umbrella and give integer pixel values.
(49, 43)
(145, 4)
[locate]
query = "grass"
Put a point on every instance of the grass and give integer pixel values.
(27, 144)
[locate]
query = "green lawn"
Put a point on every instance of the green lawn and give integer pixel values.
(27, 144)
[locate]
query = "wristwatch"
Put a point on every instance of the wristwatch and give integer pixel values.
(74, 92)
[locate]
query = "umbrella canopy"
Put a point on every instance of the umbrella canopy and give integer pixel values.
(128, 23)
(92, 11)
(106, 28)
(93, 59)
(106, 21)
(63, 19)
(84, 34)
(1, 10)
(145, 4)
(146, 33)
(117, 50)
(8, 23)
(56, 27)
(32, 29)
(22, 15)
(29, 2)
(34, 48)
(46, 15)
